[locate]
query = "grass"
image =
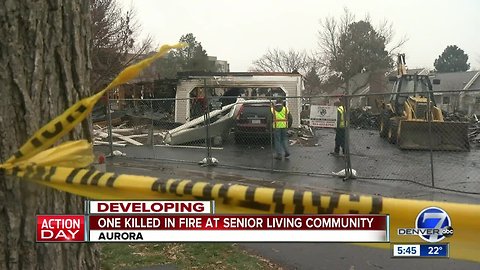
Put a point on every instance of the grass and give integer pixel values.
(182, 256)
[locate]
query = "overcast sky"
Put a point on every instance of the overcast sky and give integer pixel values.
(242, 31)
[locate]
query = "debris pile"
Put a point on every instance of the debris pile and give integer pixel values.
(473, 127)
(303, 136)
(474, 130)
(457, 117)
(305, 132)
(363, 119)
(123, 135)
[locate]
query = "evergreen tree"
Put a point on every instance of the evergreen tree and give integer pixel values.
(452, 59)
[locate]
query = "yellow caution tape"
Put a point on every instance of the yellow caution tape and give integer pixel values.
(235, 198)
(61, 168)
(71, 154)
(62, 124)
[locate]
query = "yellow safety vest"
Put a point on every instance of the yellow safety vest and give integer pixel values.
(280, 119)
(341, 110)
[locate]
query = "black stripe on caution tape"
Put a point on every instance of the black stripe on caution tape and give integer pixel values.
(96, 178)
(281, 201)
(173, 187)
(207, 192)
(278, 200)
(111, 180)
(332, 204)
(86, 176)
(250, 194)
(298, 202)
(159, 185)
(28, 172)
(40, 171)
(353, 198)
(223, 192)
(51, 172)
(72, 175)
(377, 205)
(61, 124)
(187, 189)
(81, 109)
(48, 135)
(250, 202)
(35, 142)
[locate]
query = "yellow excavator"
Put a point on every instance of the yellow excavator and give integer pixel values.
(412, 120)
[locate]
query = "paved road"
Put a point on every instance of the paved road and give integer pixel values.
(309, 255)
(371, 157)
(323, 183)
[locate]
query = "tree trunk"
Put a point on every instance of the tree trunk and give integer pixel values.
(44, 56)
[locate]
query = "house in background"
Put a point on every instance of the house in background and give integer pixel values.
(153, 82)
(362, 86)
(221, 65)
(278, 83)
(465, 91)
(457, 91)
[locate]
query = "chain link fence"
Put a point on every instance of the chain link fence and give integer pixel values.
(428, 141)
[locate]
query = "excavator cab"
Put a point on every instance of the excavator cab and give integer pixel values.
(412, 120)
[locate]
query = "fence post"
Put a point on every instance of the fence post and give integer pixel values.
(429, 119)
(109, 125)
(346, 120)
(150, 131)
(270, 123)
(208, 161)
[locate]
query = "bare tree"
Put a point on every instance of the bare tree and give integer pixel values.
(385, 28)
(277, 60)
(329, 36)
(333, 29)
(114, 42)
(45, 55)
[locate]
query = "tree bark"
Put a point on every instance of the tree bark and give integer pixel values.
(44, 56)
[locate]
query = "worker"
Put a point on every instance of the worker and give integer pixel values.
(282, 121)
(340, 129)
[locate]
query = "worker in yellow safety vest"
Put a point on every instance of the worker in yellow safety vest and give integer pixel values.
(282, 121)
(340, 129)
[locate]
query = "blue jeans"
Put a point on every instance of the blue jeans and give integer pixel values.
(280, 139)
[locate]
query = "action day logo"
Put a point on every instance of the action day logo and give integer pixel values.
(432, 225)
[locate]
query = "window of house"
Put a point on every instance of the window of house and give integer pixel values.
(445, 100)
(477, 100)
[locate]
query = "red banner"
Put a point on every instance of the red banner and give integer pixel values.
(238, 222)
(60, 228)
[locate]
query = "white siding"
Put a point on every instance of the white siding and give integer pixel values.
(292, 85)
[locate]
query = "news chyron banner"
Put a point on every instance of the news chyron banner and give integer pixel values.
(196, 221)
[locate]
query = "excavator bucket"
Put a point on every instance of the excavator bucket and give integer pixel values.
(438, 136)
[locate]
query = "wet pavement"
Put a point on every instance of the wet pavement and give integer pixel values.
(322, 183)
(382, 168)
(376, 162)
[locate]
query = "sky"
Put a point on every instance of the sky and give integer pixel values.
(242, 31)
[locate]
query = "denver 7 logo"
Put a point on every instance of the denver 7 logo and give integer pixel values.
(437, 220)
